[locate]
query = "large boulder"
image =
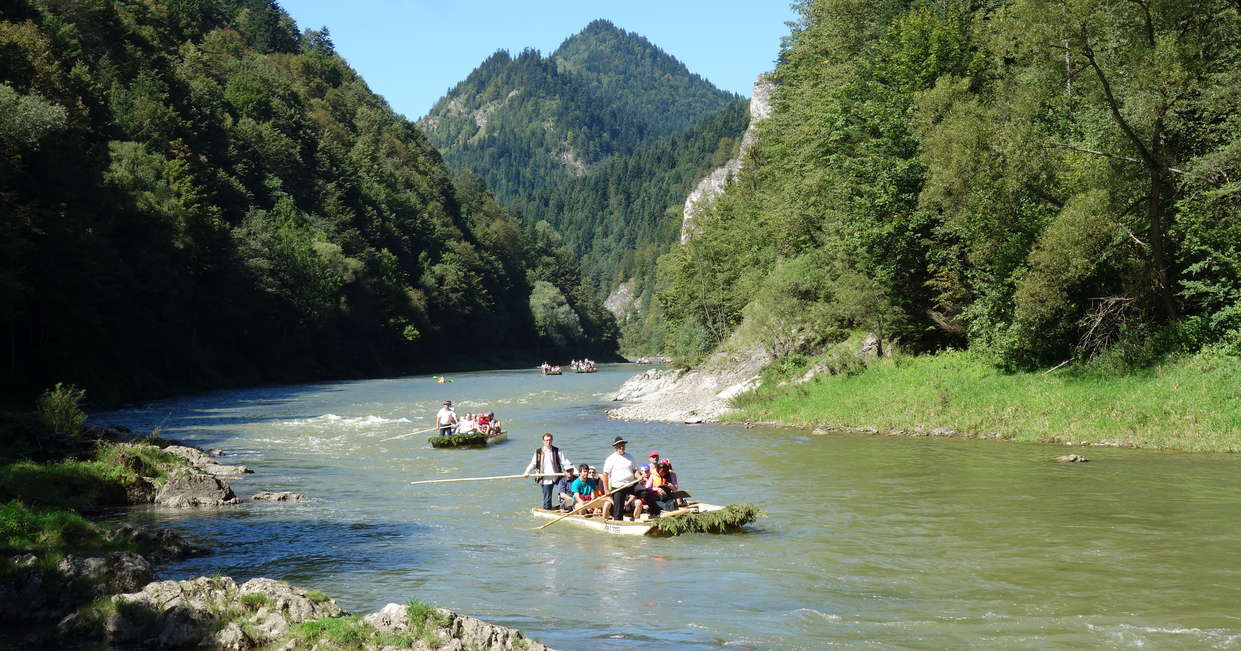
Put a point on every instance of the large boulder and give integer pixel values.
(204, 612)
(195, 490)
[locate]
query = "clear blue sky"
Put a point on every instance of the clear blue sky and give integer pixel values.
(413, 51)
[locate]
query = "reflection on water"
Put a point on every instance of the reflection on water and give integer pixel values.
(868, 541)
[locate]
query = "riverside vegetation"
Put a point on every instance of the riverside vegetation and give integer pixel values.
(67, 580)
(1042, 185)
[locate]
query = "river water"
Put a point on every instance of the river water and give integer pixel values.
(869, 541)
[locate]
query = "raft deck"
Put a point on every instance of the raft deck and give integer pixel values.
(628, 527)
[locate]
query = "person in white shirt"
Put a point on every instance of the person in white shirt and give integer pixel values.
(548, 460)
(618, 470)
(467, 425)
(446, 418)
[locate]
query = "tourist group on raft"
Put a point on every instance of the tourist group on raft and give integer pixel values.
(641, 491)
(448, 423)
(576, 365)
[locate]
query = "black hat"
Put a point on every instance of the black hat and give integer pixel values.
(618, 441)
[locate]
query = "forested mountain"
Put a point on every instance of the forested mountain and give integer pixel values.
(603, 139)
(197, 194)
(1037, 181)
(529, 122)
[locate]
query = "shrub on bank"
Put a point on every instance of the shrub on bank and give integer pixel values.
(60, 410)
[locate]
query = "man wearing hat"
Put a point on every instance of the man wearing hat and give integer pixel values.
(617, 471)
(446, 419)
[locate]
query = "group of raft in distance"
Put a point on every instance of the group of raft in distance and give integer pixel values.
(578, 366)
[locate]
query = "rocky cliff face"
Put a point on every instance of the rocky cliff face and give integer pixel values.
(622, 302)
(697, 395)
(710, 187)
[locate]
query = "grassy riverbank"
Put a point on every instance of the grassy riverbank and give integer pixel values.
(1186, 403)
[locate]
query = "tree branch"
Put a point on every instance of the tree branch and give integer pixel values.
(1096, 152)
(1113, 105)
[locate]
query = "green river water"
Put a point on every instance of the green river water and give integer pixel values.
(868, 541)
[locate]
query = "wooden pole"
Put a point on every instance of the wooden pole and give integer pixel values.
(445, 481)
(401, 436)
(587, 505)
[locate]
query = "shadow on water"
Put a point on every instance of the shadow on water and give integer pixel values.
(215, 408)
(263, 542)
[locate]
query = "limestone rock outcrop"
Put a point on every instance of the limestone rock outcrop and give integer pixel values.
(697, 395)
(710, 187)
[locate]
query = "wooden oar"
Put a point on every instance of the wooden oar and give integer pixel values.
(401, 436)
(444, 481)
(587, 505)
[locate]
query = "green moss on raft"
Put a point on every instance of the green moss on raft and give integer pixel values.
(458, 440)
(726, 520)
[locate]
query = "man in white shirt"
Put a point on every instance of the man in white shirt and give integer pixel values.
(617, 471)
(446, 419)
(549, 460)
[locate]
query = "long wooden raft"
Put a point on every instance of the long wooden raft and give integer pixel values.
(694, 518)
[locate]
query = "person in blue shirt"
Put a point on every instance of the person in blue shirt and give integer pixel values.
(582, 488)
(564, 489)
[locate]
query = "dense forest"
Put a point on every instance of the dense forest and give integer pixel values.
(197, 194)
(1038, 181)
(602, 139)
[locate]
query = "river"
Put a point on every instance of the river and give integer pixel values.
(868, 540)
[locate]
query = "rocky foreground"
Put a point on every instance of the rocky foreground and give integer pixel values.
(114, 600)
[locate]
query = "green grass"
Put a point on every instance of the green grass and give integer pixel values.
(74, 483)
(1186, 403)
(40, 531)
(316, 596)
(424, 619)
(255, 600)
(348, 632)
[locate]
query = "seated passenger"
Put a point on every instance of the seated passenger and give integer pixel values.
(564, 489)
(484, 423)
(467, 425)
(668, 487)
(583, 489)
(641, 499)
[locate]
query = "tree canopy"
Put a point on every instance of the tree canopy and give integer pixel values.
(198, 194)
(1035, 179)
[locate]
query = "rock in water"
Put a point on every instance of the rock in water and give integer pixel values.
(1070, 458)
(195, 490)
(282, 496)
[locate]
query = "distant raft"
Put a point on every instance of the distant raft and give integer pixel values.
(695, 518)
(552, 371)
(471, 440)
